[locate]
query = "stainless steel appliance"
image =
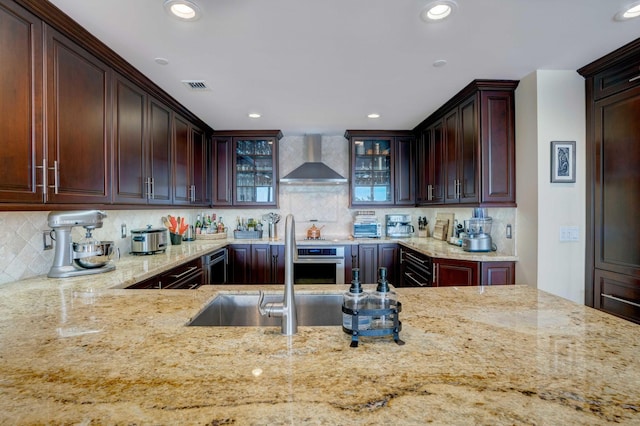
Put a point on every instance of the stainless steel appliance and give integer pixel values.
(215, 267)
(319, 264)
(365, 225)
(148, 240)
(88, 256)
(398, 225)
(476, 236)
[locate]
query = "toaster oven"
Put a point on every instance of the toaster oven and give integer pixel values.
(367, 230)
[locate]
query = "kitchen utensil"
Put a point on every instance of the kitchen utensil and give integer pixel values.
(440, 229)
(450, 217)
(313, 233)
(166, 222)
(93, 254)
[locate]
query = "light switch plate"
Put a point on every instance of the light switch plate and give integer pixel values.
(569, 233)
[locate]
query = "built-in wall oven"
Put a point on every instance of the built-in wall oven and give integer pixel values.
(319, 264)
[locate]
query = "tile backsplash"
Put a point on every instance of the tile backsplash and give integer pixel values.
(21, 233)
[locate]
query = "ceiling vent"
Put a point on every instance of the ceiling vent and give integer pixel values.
(196, 85)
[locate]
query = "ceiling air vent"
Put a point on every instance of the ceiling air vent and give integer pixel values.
(196, 85)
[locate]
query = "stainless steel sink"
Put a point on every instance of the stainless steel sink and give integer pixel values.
(241, 310)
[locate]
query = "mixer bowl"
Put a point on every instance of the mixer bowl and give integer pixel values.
(92, 254)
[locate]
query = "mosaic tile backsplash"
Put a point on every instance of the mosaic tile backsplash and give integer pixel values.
(21, 233)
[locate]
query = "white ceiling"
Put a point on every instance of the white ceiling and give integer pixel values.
(321, 66)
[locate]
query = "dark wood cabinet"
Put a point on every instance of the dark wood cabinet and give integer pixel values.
(431, 166)
(261, 263)
(189, 276)
(256, 264)
(78, 112)
(383, 168)
(277, 264)
(21, 115)
(497, 273)
(477, 134)
(613, 182)
(240, 264)
(247, 163)
(373, 256)
(451, 272)
(201, 192)
(108, 128)
(183, 161)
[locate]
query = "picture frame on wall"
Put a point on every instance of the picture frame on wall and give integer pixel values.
(563, 161)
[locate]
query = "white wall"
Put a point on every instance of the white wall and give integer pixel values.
(558, 99)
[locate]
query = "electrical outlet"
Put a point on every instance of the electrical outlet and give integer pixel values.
(508, 232)
(123, 231)
(569, 233)
(47, 243)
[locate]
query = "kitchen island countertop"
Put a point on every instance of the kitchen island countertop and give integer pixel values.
(77, 351)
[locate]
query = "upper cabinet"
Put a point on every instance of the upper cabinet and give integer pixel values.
(468, 147)
(246, 171)
(80, 125)
(382, 168)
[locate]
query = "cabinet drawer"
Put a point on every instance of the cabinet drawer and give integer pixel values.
(616, 80)
(618, 295)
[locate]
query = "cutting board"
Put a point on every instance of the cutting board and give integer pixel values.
(450, 218)
(440, 229)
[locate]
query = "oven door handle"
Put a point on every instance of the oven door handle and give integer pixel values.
(319, 260)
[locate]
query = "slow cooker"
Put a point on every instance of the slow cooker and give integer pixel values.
(148, 240)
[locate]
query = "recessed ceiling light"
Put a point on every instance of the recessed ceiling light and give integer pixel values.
(161, 61)
(185, 10)
(629, 12)
(440, 63)
(373, 115)
(438, 10)
(254, 115)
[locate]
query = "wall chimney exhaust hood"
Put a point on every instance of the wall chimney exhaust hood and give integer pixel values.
(313, 171)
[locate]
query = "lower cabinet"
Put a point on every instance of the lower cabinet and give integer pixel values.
(186, 276)
(256, 264)
(373, 256)
(617, 294)
(452, 272)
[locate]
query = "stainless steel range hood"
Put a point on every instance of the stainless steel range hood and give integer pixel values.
(313, 171)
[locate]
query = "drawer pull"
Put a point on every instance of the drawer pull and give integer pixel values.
(188, 271)
(414, 258)
(608, 296)
(409, 277)
(632, 79)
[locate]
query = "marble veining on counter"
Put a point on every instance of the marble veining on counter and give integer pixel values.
(78, 352)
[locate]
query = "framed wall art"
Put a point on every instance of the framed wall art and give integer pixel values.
(563, 161)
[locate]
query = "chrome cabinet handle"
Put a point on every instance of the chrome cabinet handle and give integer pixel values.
(56, 172)
(409, 276)
(632, 79)
(193, 193)
(435, 274)
(44, 185)
(188, 271)
(618, 299)
(430, 192)
(414, 258)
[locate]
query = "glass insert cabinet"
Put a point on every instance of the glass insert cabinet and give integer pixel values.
(247, 171)
(372, 173)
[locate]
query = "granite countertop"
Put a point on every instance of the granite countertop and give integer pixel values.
(78, 352)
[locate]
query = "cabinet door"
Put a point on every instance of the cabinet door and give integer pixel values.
(388, 257)
(498, 273)
(617, 183)
(368, 263)
(450, 140)
(159, 171)
(130, 153)
(373, 171)
(617, 294)
(78, 122)
(255, 171)
(468, 153)
(277, 264)
(405, 191)
(449, 272)
(240, 264)
(498, 147)
(260, 264)
(201, 192)
(20, 115)
(221, 169)
(183, 161)
(435, 164)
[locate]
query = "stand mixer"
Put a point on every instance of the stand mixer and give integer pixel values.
(88, 256)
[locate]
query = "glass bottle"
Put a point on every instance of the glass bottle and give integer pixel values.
(198, 225)
(383, 298)
(355, 299)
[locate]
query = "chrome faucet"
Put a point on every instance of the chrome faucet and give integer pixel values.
(287, 308)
